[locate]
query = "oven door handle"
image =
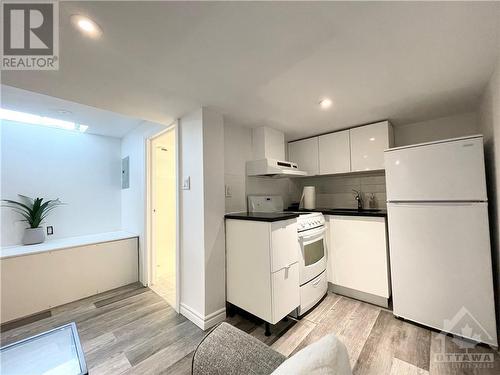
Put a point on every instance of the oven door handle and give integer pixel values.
(310, 234)
(315, 283)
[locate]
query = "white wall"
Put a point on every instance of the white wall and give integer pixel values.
(202, 218)
(489, 115)
(133, 199)
(213, 178)
(332, 191)
(336, 191)
(192, 213)
(237, 150)
(83, 170)
(441, 128)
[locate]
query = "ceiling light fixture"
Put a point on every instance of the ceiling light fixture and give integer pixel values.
(325, 103)
(64, 112)
(86, 26)
(28, 118)
(372, 139)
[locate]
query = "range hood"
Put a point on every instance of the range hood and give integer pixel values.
(268, 147)
(273, 168)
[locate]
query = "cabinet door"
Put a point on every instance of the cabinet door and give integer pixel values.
(334, 153)
(305, 154)
(368, 144)
(358, 261)
(285, 291)
(285, 247)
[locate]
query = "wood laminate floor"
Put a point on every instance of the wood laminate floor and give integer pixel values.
(132, 330)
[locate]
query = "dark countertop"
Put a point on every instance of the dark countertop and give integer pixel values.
(262, 216)
(349, 212)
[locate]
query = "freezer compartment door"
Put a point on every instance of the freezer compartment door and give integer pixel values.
(447, 171)
(441, 267)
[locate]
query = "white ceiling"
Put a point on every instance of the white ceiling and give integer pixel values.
(269, 63)
(99, 121)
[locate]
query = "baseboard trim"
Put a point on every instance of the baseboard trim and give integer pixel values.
(204, 322)
(356, 294)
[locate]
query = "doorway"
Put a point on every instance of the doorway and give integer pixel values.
(163, 216)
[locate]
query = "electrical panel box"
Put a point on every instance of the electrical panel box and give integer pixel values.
(125, 173)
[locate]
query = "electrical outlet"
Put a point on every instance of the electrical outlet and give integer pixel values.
(50, 230)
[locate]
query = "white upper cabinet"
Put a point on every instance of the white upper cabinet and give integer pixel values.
(305, 154)
(368, 144)
(334, 153)
(353, 150)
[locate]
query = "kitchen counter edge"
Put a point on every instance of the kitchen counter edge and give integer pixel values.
(261, 216)
(341, 212)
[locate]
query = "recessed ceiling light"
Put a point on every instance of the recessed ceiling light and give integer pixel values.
(325, 103)
(372, 139)
(86, 26)
(64, 112)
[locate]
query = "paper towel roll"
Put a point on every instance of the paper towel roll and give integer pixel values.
(309, 197)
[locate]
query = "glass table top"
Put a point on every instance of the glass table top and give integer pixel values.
(55, 352)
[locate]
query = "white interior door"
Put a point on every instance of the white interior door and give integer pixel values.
(441, 264)
(164, 217)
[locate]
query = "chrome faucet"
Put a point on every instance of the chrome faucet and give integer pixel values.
(359, 199)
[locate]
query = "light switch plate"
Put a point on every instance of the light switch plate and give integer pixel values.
(227, 191)
(186, 184)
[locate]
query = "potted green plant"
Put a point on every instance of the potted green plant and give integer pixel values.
(34, 211)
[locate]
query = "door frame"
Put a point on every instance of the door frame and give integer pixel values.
(150, 254)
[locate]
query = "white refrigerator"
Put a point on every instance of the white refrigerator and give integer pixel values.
(439, 239)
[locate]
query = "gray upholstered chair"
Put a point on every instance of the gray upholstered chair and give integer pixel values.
(227, 350)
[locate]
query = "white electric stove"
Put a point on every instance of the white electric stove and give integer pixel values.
(312, 259)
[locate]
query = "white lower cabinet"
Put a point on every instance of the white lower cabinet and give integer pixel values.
(284, 291)
(358, 257)
(262, 267)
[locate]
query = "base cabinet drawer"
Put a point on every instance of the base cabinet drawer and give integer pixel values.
(285, 291)
(309, 292)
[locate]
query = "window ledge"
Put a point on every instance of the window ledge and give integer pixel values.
(63, 243)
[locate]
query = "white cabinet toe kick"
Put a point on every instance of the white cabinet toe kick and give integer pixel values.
(359, 295)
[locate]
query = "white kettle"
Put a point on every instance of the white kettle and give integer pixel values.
(308, 199)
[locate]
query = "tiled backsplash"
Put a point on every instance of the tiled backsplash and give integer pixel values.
(337, 191)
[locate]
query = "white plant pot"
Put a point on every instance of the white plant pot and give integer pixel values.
(33, 236)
